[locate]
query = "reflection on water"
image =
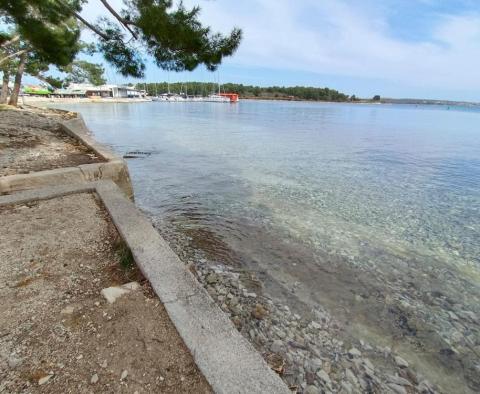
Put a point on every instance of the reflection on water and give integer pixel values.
(372, 211)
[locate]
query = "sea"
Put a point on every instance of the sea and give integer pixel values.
(371, 211)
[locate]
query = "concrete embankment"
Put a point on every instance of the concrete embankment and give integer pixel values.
(72, 226)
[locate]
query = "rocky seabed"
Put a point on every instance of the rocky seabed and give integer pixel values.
(307, 353)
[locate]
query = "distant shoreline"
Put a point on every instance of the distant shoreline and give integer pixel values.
(386, 101)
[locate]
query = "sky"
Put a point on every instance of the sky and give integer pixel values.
(395, 48)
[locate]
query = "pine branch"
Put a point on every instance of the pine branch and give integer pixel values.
(91, 27)
(119, 18)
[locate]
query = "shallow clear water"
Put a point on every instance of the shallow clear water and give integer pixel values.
(370, 210)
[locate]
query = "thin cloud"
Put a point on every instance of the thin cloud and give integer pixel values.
(350, 40)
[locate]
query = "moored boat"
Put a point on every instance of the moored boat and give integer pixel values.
(217, 98)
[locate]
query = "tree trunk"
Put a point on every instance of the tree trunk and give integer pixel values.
(18, 80)
(4, 94)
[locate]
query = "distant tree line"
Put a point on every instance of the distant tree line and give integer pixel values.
(248, 91)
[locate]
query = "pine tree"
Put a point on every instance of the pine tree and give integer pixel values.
(81, 71)
(171, 34)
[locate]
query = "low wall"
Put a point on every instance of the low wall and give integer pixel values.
(114, 167)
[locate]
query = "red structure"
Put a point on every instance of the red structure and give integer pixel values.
(232, 96)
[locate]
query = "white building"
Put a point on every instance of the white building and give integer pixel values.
(101, 91)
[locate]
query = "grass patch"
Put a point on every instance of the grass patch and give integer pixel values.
(123, 269)
(125, 256)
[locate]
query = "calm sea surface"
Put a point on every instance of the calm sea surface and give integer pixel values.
(372, 211)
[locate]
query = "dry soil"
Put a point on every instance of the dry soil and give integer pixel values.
(57, 332)
(32, 140)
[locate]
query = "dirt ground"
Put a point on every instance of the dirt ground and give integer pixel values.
(31, 140)
(58, 334)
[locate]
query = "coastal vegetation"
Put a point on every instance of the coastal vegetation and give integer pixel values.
(49, 31)
(32, 63)
(248, 91)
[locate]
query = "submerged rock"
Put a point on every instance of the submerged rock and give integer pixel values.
(397, 388)
(324, 376)
(354, 352)
(277, 346)
(311, 390)
(259, 312)
(401, 362)
(212, 279)
(398, 380)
